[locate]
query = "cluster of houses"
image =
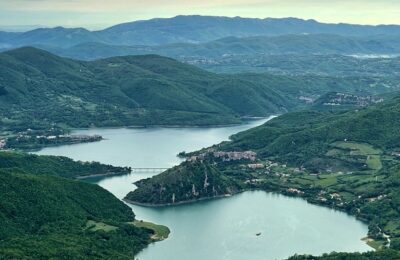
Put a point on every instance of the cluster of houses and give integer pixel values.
(195, 158)
(397, 154)
(380, 197)
(76, 138)
(295, 191)
(225, 156)
(348, 99)
(323, 196)
(31, 138)
(307, 100)
(235, 156)
(2, 144)
(255, 166)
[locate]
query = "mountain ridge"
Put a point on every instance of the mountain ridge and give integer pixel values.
(41, 87)
(231, 46)
(189, 29)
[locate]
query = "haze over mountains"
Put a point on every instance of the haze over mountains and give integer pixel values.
(187, 29)
(234, 46)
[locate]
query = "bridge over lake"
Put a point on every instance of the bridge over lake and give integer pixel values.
(149, 169)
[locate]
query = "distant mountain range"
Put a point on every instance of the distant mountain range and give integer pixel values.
(187, 29)
(227, 48)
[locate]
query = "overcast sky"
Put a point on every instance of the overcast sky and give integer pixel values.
(96, 14)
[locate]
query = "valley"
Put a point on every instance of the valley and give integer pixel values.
(199, 137)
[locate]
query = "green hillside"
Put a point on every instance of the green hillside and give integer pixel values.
(47, 217)
(108, 92)
(39, 89)
(143, 90)
(44, 216)
(302, 137)
(55, 166)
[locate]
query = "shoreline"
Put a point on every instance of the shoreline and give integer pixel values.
(39, 148)
(144, 126)
(82, 177)
(154, 126)
(150, 126)
(152, 205)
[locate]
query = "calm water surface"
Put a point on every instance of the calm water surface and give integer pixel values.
(218, 229)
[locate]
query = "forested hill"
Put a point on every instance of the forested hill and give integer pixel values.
(55, 165)
(43, 216)
(40, 88)
(131, 90)
(304, 138)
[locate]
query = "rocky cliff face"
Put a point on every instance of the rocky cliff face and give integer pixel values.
(184, 183)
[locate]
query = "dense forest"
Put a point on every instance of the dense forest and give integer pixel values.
(46, 216)
(55, 165)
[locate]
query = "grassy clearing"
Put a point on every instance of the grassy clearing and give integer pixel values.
(326, 180)
(373, 160)
(160, 232)
(392, 227)
(94, 226)
(364, 149)
(375, 244)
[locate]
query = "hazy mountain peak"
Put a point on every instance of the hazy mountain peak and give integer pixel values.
(189, 29)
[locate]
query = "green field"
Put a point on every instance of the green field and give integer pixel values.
(94, 226)
(373, 155)
(160, 232)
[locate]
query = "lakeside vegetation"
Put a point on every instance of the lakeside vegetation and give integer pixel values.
(55, 166)
(159, 232)
(379, 255)
(46, 214)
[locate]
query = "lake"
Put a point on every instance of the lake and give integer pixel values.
(222, 228)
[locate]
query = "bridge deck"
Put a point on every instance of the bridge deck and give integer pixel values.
(149, 169)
